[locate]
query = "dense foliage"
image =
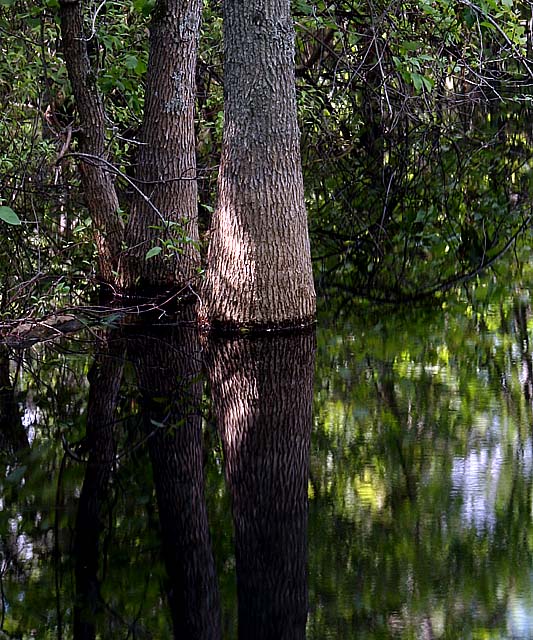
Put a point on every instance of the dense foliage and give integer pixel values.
(416, 141)
(415, 138)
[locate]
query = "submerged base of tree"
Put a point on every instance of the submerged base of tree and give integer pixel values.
(172, 302)
(234, 328)
(168, 309)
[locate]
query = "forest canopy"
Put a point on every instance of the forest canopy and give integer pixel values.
(415, 122)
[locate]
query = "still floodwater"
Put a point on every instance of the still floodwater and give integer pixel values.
(393, 502)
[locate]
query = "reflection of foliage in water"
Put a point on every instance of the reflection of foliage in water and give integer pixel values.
(420, 498)
(422, 458)
(55, 397)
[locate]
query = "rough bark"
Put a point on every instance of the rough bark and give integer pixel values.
(259, 268)
(168, 364)
(166, 162)
(262, 392)
(105, 377)
(97, 184)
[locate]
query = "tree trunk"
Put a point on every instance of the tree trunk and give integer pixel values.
(262, 392)
(97, 184)
(168, 363)
(105, 377)
(259, 268)
(166, 167)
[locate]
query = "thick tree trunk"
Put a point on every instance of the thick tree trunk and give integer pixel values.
(168, 364)
(98, 186)
(259, 268)
(105, 377)
(262, 393)
(166, 167)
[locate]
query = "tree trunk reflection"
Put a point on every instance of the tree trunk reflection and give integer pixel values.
(168, 365)
(105, 377)
(262, 397)
(13, 438)
(262, 394)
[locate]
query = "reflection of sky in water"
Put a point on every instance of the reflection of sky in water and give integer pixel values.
(477, 480)
(476, 477)
(31, 416)
(520, 615)
(23, 545)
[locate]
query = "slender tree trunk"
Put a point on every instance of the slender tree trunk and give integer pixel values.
(105, 377)
(168, 364)
(97, 183)
(259, 268)
(262, 392)
(13, 437)
(166, 167)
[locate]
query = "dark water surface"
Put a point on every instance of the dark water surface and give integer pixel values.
(155, 484)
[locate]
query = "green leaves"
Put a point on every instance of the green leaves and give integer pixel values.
(9, 216)
(420, 81)
(301, 6)
(144, 7)
(154, 251)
